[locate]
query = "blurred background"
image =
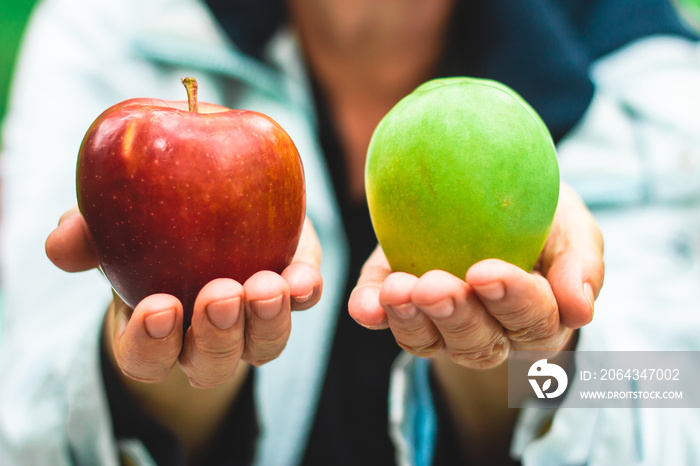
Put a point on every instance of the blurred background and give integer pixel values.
(14, 15)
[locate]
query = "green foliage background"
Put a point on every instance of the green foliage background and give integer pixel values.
(690, 10)
(13, 17)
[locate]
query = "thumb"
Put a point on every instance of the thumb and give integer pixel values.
(572, 260)
(70, 245)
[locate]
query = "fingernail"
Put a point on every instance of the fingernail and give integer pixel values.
(267, 308)
(588, 293)
(224, 314)
(443, 308)
(160, 324)
(493, 291)
(379, 326)
(304, 298)
(405, 311)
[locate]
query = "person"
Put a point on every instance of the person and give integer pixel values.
(421, 379)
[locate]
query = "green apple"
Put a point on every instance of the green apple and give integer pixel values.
(460, 170)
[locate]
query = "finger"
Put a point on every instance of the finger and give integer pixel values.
(147, 340)
(523, 303)
(214, 342)
(412, 329)
(473, 338)
(268, 317)
(303, 275)
(364, 305)
(305, 285)
(70, 246)
(309, 248)
(572, 260)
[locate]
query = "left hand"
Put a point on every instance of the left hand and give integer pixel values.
(498, 307)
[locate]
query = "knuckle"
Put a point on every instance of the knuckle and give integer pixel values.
(489, 355)
(424, 350)
(216, 354)
(143, 372)
(417, 335)
(203, 384)
(259, 352)
(209, 365)
(202, 378)
(145, 366)
(543, 327)
(536, 320)
(466, 328)
(258, 359)
(266, 336)
(257, 362)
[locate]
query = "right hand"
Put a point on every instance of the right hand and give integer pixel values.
(231, 321)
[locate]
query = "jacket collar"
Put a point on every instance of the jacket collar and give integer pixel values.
(185, 33)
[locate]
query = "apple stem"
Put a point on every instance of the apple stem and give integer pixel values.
(191, 86)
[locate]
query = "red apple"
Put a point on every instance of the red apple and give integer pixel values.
(176, 194)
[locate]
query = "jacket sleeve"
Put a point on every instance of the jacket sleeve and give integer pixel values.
(52, 404)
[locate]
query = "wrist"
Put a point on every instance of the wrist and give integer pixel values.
(192, 414)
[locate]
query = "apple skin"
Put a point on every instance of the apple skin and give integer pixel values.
(174, 198)
(461, 170)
